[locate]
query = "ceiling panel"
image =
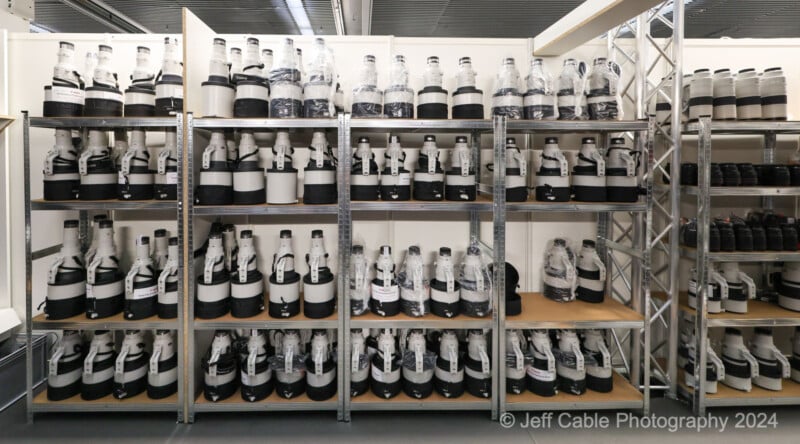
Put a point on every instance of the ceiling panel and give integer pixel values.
(426, 18)
(466, 18)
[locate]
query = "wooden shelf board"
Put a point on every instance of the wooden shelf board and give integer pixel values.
(141, 398)
(430, 317)
(757, 311)
(119, 318)
(273, 398)
(435, 397)
(538, 309)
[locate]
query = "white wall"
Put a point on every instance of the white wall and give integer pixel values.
(526, 233)
(34, 56)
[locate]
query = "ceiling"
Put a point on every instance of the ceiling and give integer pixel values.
(423, 18)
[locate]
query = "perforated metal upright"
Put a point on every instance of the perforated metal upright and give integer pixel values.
(658, 65)
(141, 403)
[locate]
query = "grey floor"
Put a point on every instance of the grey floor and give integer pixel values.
(381, 427)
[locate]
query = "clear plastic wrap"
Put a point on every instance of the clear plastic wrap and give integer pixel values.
(569, 359)
(419, 361)
(286, 95)
(602, 95)
(399, 98)
(539, 101)
(360, 278)
(320, 89)
(367, 98)
(467, 98)
(560, 278)
(507, 98)
(415, 290)
(476, 284)
(570, 87)
(385, 292)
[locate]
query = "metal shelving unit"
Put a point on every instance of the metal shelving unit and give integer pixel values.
(37, 400)
(235, 403)
(759, 313)
(627, 305)
(486, 202)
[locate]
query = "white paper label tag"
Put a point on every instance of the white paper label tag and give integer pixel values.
(212, 370)
(88, 363)
(119, 364)
(318, 363)
(172, 177)
(279, 270)
(279, 159)
(154, 360)
(144, 293)
(478, 279)
(394, 165)
(385, 294)
(245, 379)
(365, 166)
(314, 269)
(404, 179)
(251, 363)
(387, 360)
(89, 291)
(485, 366)
(541, 375)
(287, 362)
(359, 284)
(453, 358)
(451, 282)
(431, 165)
(523, 166)
(355, 360)
(464, 159)
(53, 364)
(122, 179)
(418, 359)
(66, 94)
(377, 374)
(417, 278)
(520, 359)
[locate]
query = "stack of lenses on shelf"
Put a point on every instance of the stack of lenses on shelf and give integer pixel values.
(94, 367)
(454, 289)
(742, 174)
(258, 363)
(757, 232)
(232, 282)
(94, 284)
(546, 362)
(418, 362)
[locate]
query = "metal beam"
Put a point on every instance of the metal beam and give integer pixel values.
(589, 20)
(107, 15)
(338, 17)
(357, 16)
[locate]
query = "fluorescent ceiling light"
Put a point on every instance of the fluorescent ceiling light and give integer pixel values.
(300, 17)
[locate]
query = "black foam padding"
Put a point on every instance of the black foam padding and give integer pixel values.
(62, 189)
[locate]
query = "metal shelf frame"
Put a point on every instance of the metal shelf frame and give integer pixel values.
(623, 232)
(195, 326)
(704, 130)
(485, 203)
(39, 403)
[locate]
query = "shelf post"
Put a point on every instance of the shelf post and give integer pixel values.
(26, 142)
(186, 188)
(345, 227)
(499, 249)
(474, 216)
(184, 221)
(702, 264)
